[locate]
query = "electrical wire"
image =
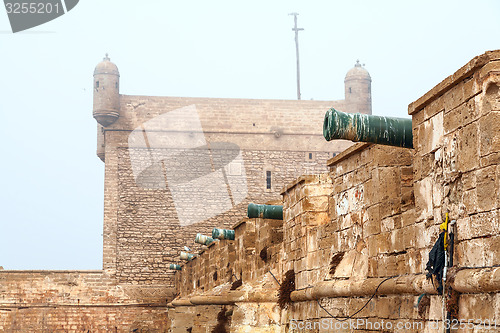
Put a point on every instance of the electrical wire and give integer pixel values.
(355, 313)
(274, 277)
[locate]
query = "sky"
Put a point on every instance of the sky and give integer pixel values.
(51, 200)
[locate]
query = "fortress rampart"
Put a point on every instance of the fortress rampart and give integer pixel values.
(353, 243)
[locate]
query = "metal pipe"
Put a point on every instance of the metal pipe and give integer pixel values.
(265, 211)
(222, 233)
(359, 127)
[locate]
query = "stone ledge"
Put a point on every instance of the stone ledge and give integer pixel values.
(348, 152)
(301, 179)
(239, 223)
(453, 79)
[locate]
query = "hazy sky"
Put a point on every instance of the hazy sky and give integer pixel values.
(51, 179)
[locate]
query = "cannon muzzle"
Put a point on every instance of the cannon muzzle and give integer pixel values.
(203, 239)
(265, 211)
(186, 256)
(359, 127)
(222, 234)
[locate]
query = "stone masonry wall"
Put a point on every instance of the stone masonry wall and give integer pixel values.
(244, 266)
(456, 130)
(371, 222)
(78, 301)
(149, 236)
(354, 223)
(143, 234)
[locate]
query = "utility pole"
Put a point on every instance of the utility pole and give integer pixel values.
(297, 51)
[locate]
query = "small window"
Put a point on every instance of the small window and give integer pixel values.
(97, 84)
(309, 156)
(268, 180)
(116, 85)
(350, 90)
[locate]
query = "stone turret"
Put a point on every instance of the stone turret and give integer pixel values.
(358, 90)
(106, 99)
(106, 92)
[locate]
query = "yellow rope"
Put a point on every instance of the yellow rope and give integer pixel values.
(444, 227)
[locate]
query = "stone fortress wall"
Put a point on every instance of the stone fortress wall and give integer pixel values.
(359, 222)
(367, 225)
(260, 144)
(148, 235)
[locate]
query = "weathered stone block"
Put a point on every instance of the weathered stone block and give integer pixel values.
(454, 97)
(379, 244)
(431, 133)
(423, 198)
(467, 148)
(491, 88)
(344, 268)
(390, 207)
(390, 156)
(315, 218)
(478, 307)
(390, 183)
(478, 225)
(387, 224)
(433, 108)
(322, 189)
(423, 165)
(371, 221)
(489, 131)
(487, 189)
(407, 217)
(478, 251)
(460, 116)
(470, 201)
(427, 236)
(315, 204)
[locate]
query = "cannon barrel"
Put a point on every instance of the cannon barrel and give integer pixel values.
(203, 239)
(272, 212)
(359, 127)
(186, 256)
(222, 234)
(175, 267)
